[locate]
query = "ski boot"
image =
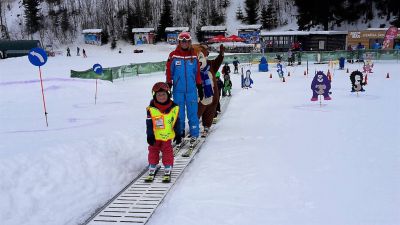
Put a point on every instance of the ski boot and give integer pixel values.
(167, 174)
(152, 173)
(192, 143)
(205, 132)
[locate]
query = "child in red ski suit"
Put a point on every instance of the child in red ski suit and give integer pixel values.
(162, 127)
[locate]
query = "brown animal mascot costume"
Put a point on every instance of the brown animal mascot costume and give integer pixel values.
(208, 68)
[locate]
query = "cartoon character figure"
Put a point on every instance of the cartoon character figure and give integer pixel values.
(320, 86)
(367, 68)
(357, 78)
(247, 81)
(207, 107)
(279, 69)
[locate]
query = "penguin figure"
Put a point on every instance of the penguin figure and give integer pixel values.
(247, 81)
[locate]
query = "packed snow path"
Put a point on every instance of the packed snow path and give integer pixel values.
(138, 201)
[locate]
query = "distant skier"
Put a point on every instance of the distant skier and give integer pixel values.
(226, 69)
(236, 65)
(290, 57)
(376, 45)
(227, 85)
(84, 53)
(162, 128)
(220, 87)
(68, 52)
(77, 51)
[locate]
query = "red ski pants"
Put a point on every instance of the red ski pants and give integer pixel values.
(167, 153)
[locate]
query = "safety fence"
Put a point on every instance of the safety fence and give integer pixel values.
(317, 56)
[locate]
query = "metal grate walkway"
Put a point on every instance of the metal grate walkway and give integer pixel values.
(138, 201)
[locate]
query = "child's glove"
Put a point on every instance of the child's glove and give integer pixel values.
(200, 91)
(151, 140)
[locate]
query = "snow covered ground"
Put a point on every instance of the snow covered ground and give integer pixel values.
(275, 157)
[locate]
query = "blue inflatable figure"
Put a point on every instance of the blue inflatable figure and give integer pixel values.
(341, 63)
(263, 67)
(320, 86)
(247, 81)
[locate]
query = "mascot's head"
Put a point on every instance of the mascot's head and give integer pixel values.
(202, 53)
(356, 77)
(320, 77)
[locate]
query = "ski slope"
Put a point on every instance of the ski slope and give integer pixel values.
(274, 158)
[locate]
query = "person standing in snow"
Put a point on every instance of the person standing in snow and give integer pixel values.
(226, 70)
(84, 53)
(77, 51)
(162, 128)
(68, 52)
(236, 65)
(183, 75)
(376, 45)
(219, 83)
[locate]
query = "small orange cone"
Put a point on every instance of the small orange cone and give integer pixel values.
(283, 80)
(288, 74)
(347, 71)
(387, 75)
(366, 79)
(270, 75)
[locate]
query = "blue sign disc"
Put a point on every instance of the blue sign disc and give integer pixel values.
(98, 69)
(37, 56)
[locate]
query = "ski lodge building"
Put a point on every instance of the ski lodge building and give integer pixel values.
(173, 32)
(92, 36)
(274, 41)
(369, 36)
(143, 36)
(208, 32)
(250, 33)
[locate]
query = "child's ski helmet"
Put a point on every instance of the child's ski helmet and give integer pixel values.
(161, 86)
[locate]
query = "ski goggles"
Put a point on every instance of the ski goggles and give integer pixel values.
(160, 86)
(184, 37)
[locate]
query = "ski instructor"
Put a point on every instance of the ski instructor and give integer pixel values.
(183, 76)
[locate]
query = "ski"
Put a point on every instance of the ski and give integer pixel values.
(177, 148)
(191, 148)
(151, 176)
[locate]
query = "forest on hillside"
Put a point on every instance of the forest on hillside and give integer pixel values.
(63, 20)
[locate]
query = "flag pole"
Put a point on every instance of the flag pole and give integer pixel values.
(95, 96)
(44, 101)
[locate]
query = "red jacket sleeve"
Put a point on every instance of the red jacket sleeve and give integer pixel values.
(168, 70)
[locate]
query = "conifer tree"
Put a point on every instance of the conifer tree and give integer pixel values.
(166, 20)
(239, 14)
(203, 22)
(65, 24)
(216, 18)
(269, 18)
(251, 11)
(32, 15)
